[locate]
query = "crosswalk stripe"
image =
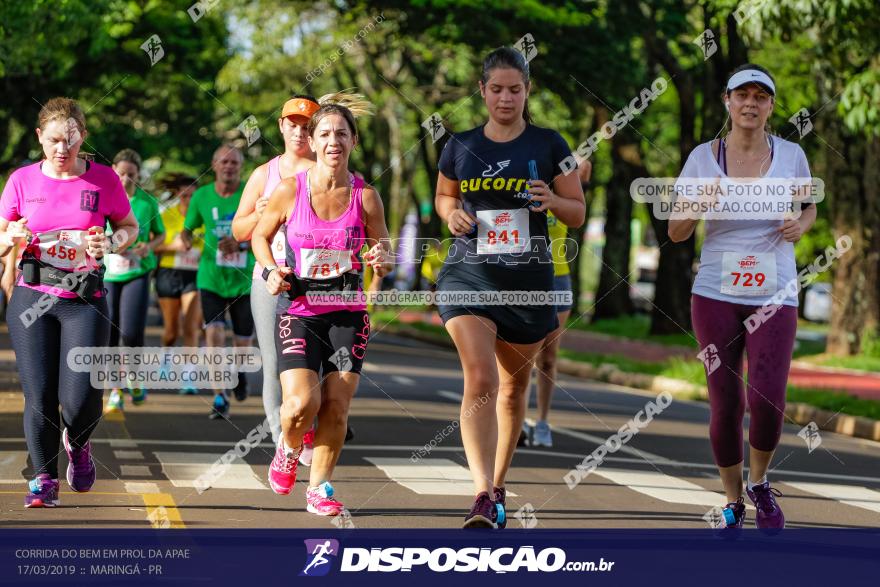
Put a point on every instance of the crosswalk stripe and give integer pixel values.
(135, 471)
(141, 487)
(12, 463)
(624, 449)
(134, 455)
(428, 476)
(183, 469)
(403, 380)
(856, 496)
(661, 486)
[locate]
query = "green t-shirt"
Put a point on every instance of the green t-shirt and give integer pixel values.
(228, 276)
(128, 266)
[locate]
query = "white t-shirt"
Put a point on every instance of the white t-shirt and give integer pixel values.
(735, 251)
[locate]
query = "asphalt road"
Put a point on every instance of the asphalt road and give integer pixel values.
(150, 459)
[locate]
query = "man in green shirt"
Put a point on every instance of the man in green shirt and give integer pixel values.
(225, 268)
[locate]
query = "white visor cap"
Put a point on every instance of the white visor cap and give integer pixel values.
(751, 76)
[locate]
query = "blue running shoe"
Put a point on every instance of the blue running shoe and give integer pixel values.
(500, 494)
(116, 401)
(220, 409)
(541, 435)
(42, 492)
(138, 395)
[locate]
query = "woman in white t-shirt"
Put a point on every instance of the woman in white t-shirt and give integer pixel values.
(740, 299)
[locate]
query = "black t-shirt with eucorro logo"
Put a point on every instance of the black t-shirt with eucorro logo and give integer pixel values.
(492, 179)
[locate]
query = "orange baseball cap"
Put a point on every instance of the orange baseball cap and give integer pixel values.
(299, 107)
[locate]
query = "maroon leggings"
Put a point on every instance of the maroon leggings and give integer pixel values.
(769, 350)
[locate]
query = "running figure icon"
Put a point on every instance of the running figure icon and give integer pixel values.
(318, 553)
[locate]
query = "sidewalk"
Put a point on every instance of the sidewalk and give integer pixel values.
(801, 374)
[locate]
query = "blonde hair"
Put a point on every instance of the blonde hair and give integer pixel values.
(61, 109)
(346, 103)
(356, 103)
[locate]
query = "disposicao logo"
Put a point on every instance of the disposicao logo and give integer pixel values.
(319, 554)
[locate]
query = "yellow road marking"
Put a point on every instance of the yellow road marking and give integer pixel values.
(162, 511)
(114, 416)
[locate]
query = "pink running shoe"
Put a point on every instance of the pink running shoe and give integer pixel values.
(319, 500)
(305, 457)
(282, 471)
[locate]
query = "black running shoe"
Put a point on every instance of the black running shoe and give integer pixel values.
(483, 513)
(241, 390)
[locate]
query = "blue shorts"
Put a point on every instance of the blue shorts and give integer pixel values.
(562, 283)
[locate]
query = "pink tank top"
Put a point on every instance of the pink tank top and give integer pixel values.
(60, 212)
(324, 249)
(273, 178)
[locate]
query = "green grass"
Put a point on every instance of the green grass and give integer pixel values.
(858, 362)
(621, 363)
(835, 401)
(806, 348)
(635, 327)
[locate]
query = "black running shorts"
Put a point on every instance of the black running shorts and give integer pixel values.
(335, 341)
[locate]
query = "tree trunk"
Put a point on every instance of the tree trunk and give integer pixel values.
(670, 312)
(612, 295)
(855, 212)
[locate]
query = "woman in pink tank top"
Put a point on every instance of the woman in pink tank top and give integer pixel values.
(297, 156)
(321, 338)
(56, 210)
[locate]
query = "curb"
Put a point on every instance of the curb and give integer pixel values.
(833, 370)
(801, 414)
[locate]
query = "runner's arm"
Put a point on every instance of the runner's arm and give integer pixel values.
(569, 207)
(10, 235)
(793, 229)
(247, 215)
(681, 230)
(7, 281)
(191, 223)
(280, 203)
(156, 241)
(449, 206)
(379, 255)
(127, 226)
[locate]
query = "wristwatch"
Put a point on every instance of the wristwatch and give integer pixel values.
(268, 271)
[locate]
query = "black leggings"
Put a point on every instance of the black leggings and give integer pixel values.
(41, 351)
(128, 310)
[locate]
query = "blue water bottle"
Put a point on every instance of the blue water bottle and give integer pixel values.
(533, 174)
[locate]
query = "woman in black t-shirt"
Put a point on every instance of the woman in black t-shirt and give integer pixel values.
(495, 185)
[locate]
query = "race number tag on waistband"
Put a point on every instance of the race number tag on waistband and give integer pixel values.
(279, 244)
(187, 260)
(119, 264)
(65, 249)
(324, 263)
(236, 260)
(502, 231)
(748, 274)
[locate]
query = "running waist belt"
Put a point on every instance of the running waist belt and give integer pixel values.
(300, 286)
(83, 284)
